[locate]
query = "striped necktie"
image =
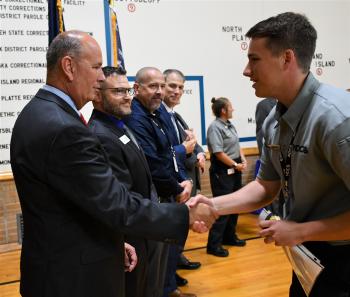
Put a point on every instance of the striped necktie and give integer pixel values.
(82, 118)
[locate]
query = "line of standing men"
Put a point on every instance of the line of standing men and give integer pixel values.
(76, 210)
(124, 145)
(165, 152)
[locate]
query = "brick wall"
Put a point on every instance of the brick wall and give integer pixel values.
(9, 204)
(9, 207)
(248, 174)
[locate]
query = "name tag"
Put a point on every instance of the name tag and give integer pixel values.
(175, 165)
(230, 171)
(124, 139)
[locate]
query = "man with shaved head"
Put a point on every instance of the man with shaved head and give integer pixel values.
(75, 210)
(168, 175)
(151, 133)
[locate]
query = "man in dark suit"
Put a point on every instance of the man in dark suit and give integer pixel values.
(74, 209)
(194, 160)
(129, 165)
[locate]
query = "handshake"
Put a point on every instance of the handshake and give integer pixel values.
(202, 213)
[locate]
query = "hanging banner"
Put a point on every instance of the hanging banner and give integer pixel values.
(203, 39)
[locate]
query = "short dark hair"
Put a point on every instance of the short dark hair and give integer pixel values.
(170, 71)
(110, 70)
(64, 44)
(288, 30)
(217, 104)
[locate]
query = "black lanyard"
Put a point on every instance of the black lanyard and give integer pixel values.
(286, 165)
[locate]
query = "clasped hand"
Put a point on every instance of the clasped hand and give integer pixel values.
(202, 213)
(282, 233)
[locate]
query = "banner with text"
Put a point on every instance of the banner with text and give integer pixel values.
(203, 39)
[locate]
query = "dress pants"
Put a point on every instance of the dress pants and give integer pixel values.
(147, 279)
(170, 280)
(158, 259)
(224, 229)
(135, 281)
(334, 280)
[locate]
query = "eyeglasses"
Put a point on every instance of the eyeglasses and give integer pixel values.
(121, 91)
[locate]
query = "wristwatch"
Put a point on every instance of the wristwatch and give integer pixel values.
(234, 164)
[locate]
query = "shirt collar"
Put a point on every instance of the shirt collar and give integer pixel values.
(227, 123)
(294, 113)
(137, 105)
(168, 109)
(118, 123)
(62, 95)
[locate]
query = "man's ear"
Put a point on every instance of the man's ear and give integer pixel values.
(289, 58)
(136, 88)
(68, 67)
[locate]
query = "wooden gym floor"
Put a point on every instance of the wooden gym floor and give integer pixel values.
(255, 270)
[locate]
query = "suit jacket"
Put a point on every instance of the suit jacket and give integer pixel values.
(74, 209)
(150, 132)
(129, 165)
(127, 160)
(191, 159)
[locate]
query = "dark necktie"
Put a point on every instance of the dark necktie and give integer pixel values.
(173, 119)
(181, 128)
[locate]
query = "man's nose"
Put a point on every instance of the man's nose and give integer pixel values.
(159, 89)
(101, 77)
(247, 71)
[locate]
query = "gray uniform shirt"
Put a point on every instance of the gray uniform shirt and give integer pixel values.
(320, 163)
(222, 137)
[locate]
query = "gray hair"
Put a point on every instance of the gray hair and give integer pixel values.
(170, 71)
(65, 44)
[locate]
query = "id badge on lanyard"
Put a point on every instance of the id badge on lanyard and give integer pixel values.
(175, 163)
(171, 147)
(286, 165)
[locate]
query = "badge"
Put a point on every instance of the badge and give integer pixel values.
(124, 139)
(230, 171)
